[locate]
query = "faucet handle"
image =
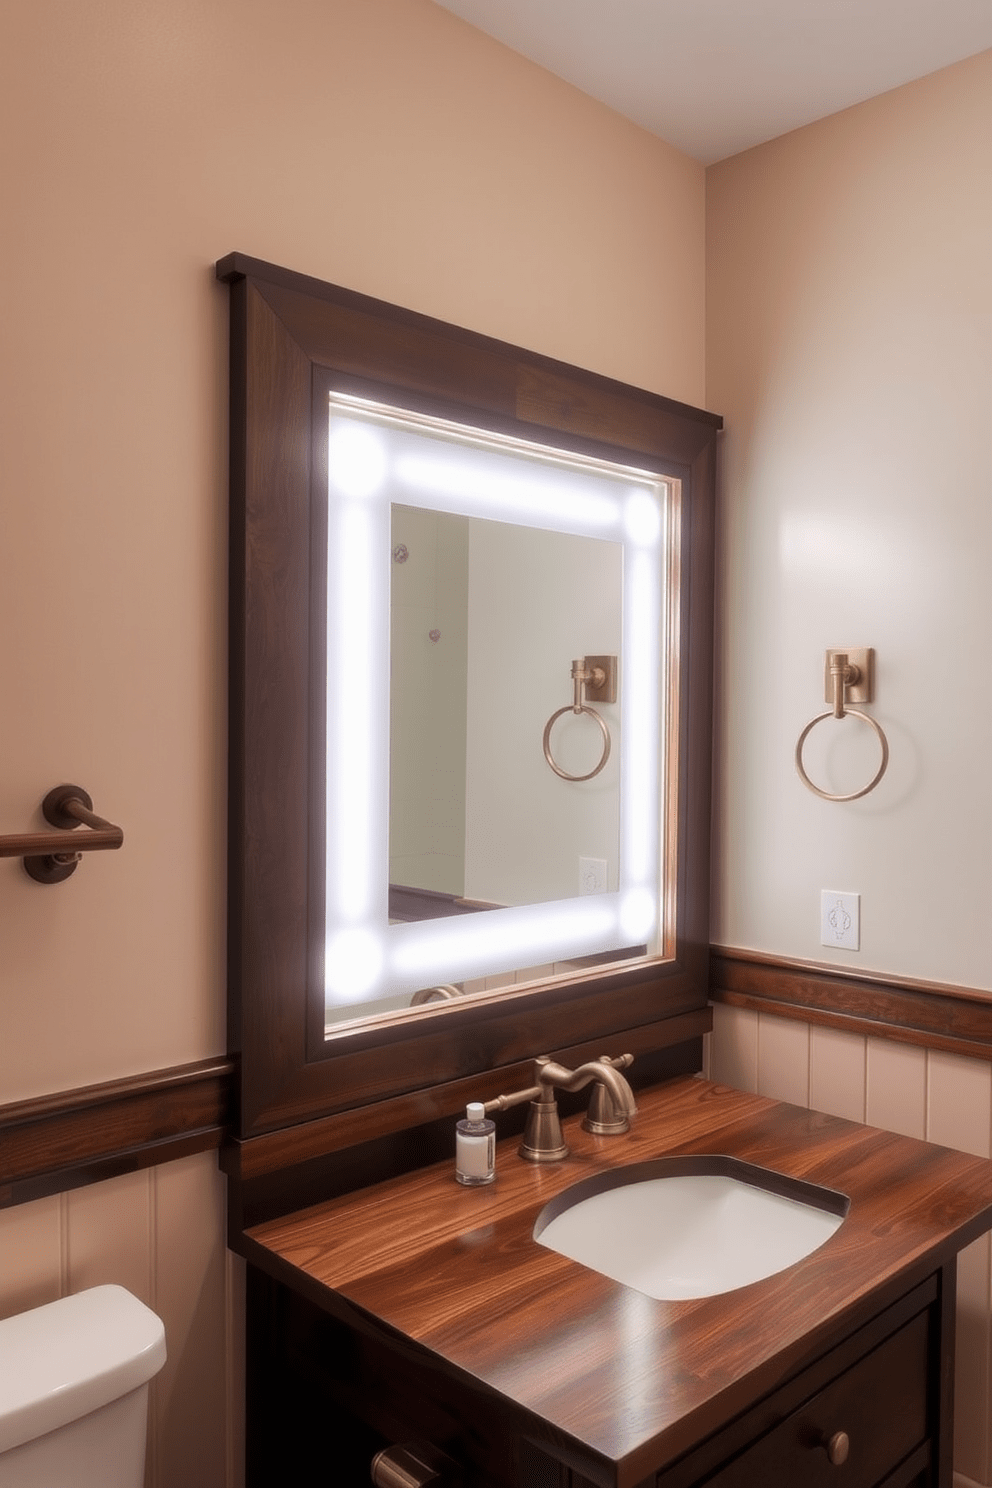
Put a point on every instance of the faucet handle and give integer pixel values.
(605, 1118)
(543, 1140)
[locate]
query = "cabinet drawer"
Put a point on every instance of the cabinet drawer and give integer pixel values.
(880, 1403)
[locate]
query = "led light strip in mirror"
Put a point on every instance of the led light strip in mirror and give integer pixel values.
(378, 456)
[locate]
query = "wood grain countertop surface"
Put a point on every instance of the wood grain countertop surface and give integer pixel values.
(631, 1380)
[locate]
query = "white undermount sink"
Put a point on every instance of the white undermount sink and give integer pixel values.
(690, 1227)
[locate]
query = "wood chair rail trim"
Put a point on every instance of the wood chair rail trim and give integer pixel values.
(929, 1015)
(60, 1141)
(53, 1143)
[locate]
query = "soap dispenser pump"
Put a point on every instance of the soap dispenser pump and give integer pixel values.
(475, 1147)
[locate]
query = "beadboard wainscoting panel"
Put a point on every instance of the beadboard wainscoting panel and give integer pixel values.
(783, 1059)
(191, 1293)
(959, 1102)
(972, 1449)
(730, 1052)
(30, 1255)
(107, 1237)
(157, 1232)
(837, 1074)
(959, 1114)
(108, 1234)
(235, 1286)
(896, 1089)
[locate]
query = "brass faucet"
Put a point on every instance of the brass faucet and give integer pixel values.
(610, 1108)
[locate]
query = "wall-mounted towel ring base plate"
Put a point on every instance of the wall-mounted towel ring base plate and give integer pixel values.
(849, 677)
(604, 691)
(862, 688)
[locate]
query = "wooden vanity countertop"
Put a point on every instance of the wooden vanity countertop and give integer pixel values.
(634, 1381)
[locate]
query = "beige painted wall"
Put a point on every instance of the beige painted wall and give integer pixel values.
(385, 146)
(381, 144)
(849, 347)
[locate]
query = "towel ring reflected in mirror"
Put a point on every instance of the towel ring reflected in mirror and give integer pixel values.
(583, 708)
(592, 676)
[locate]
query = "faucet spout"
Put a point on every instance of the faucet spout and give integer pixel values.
(611, 1104)
(603, 1071)
(610, 1108)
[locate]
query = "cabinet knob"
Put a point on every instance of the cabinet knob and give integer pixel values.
(412, 1466)
(837, 1448)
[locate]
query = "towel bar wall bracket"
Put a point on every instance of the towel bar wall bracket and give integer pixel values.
(51, 857)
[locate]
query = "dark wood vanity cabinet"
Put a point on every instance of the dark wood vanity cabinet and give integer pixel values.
(872, 1410)
(419, 1311)
(868, 1413)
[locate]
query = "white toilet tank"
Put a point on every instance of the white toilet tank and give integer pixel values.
(74, 1391)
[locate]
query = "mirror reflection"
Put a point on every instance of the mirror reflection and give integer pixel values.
(466, 573)
(485, 620)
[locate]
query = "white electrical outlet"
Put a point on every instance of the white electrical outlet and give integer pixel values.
(592, 875)
(840, 920)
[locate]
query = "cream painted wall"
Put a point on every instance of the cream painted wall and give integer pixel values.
(384, 145)
(849, 347)
(537, 602)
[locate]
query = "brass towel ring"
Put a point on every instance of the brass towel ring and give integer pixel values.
(598, 676)
(853, 795)
(582, 708)
(843, 677)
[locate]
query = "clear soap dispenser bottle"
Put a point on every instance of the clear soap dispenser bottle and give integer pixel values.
(475, 1147)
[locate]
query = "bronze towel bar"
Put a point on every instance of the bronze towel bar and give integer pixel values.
(50, 857)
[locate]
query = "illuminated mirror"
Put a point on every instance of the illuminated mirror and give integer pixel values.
(550, 557)
(579, 514)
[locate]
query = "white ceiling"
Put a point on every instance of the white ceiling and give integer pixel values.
(714, 77)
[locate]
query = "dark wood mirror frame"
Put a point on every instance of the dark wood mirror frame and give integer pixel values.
(293, 339)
